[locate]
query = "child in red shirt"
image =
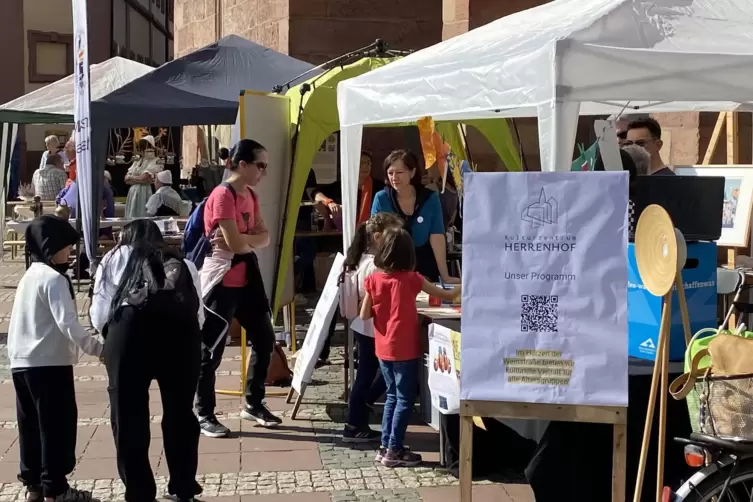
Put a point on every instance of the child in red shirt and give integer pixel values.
(391, 300)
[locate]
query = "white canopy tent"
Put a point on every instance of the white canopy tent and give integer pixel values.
(53, 103)
(556, 62)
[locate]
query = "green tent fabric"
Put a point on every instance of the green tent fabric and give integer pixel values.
(497, 133)
(314, 117)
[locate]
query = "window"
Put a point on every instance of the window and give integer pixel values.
(50, 56)
(139, 36)
(159, 47)
(141, 28)
(119, 26)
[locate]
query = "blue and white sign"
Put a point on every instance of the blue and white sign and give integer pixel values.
(545, 288)
(644, 309)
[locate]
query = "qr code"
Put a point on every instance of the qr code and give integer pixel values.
(539, 313)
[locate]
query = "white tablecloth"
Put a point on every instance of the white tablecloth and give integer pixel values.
(20, 226)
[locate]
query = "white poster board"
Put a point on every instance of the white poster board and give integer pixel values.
(265, 119)
(444, 376)
(306, 358)
(545, 288)
(606, 132)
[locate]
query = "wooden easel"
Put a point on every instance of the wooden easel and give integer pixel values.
(658, 277)
(531, 411)
(732, 122)
(244, 367)
(289, 320)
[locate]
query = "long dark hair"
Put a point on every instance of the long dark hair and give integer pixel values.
(148, 249)
(363, 239)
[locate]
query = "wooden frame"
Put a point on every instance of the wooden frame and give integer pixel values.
(534, 411)
(738, 234)
(33, 38)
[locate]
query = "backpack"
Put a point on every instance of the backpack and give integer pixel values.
(349, 297)
(172, 299)
(279, 373)
(196, 245)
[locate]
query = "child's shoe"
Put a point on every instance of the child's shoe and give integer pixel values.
(381, 452)
(34, 494)
(401, 458)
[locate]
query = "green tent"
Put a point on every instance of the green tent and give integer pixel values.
(314, 117)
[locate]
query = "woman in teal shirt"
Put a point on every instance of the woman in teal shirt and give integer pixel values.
(421, 211)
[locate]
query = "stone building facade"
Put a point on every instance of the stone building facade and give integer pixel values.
(317, 30)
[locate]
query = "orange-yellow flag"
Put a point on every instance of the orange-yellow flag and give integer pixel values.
(426, 133)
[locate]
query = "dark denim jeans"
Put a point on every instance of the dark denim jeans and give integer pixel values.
(368, 385)
(401, 378)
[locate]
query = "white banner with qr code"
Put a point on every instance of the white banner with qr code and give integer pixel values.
(545, 288)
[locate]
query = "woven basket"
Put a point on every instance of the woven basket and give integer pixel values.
(725, 406)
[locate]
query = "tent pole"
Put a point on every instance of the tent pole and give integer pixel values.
(378, 46)
(7, 145)
(520, 145)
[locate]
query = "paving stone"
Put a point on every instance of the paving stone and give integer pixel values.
(303, 460)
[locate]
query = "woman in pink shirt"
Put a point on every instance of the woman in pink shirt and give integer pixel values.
(233, 220)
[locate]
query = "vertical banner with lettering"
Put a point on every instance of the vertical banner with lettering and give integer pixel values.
(82, 129)
(545, 288)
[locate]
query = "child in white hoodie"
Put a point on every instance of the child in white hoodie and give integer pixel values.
(43, 342)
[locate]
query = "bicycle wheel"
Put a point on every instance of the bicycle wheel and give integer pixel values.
(740, 487)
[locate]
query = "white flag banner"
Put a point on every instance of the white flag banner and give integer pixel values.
(82, 129)
(545, 288)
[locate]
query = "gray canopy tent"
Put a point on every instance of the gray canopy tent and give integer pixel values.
(199, 88)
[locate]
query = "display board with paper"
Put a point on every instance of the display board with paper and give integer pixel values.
(306, 358)
(545, 288)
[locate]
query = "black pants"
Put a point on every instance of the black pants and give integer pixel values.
(141, 347)
(231, 303)
(47, 417)
(369, 385)
(327, 347)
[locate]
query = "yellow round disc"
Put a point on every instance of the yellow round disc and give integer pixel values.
(656, 250)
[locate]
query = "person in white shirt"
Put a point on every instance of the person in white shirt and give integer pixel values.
(369, 384)
(44, 339)
(52, 147)
(166, 201)
(147, 304)
(49, 180)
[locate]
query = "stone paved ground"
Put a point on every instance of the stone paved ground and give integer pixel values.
(303, 460)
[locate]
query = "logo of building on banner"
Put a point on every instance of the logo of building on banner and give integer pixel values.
(542, 212)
